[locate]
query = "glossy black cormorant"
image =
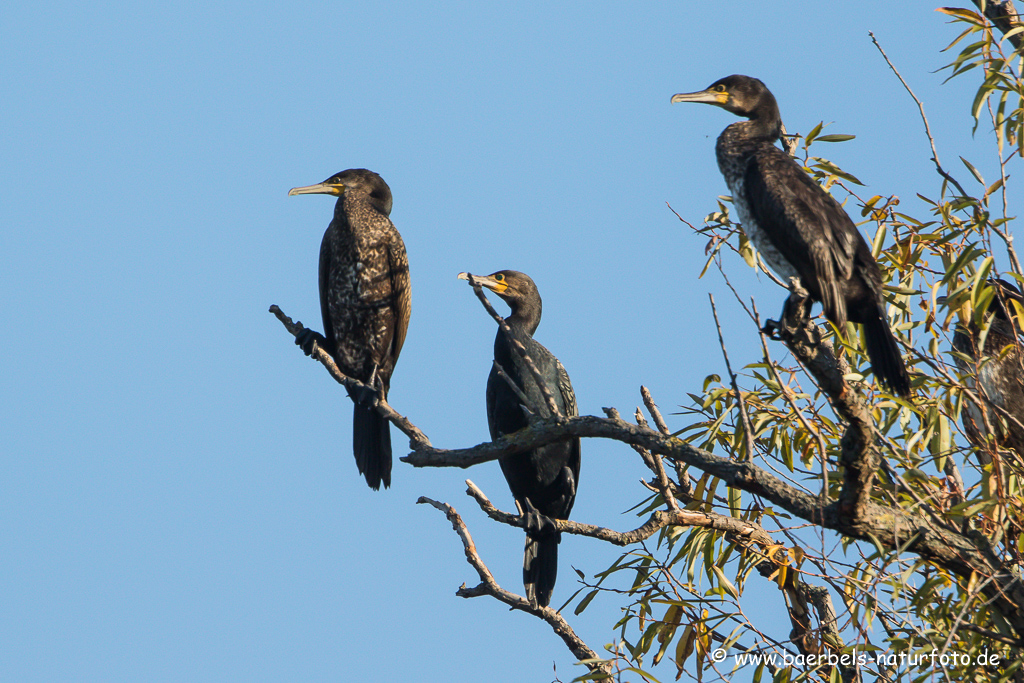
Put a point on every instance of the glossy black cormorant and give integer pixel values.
(999, 368)
(365, 303)
(799, 228)
(544, 480)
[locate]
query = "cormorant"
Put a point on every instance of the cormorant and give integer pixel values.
(543, 481)
(999, 368)
(800, 229)
(365, 303)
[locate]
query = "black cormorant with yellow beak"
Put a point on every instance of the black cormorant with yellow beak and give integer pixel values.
(543, 481)
(799, 229)
(365, 303)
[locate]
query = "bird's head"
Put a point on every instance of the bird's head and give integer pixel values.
(517, 289)
(354, 180)
(742, 95)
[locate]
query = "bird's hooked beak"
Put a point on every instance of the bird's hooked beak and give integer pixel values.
(708, 96)
(485, 281)
(333, 189)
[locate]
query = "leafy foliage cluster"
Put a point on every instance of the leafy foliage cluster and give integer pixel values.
(685, 588)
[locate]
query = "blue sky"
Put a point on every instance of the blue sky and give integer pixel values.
(179, 499)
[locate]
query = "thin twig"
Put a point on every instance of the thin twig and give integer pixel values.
(652, 408)
(645, 455)
(747, 428)
(659, 467)
(927, 128)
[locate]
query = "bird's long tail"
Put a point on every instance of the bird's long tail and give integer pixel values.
(371, 441)
(540, 567)
(884, 352)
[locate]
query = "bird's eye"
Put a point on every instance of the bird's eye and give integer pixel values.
(499, 277)
(719, 88)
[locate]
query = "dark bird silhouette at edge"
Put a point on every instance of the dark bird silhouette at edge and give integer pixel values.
(365, 303)
(543, 481)
(799, 229)
(995, 359)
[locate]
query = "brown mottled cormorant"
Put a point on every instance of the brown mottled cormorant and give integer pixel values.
(999, 368)
(544, 480)
(365, 303)
(799, 228)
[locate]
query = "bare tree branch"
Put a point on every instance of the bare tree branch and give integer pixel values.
(488, 586)
(656, 522)
(416, 437)
(659, 467)
(857, 454)
(927, 128)
(742, 532)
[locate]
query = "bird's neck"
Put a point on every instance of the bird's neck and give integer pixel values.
(355, 204)
(525, 318)
(764, 126)
(522, 322)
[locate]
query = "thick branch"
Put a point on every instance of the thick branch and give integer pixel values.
(856, 515)
(1004, 17)
(857, 455)
(892, 527)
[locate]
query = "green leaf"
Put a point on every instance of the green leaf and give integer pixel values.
(836, 137)
(813, 134)
(584, 602)
(979, 278)
(725, 582)
(735, 498)
(639, 672)
(962, 14)
(973, 170)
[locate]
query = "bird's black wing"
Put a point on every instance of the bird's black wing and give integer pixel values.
(805, 223)
(565, 389)
(492, 400)
(571, 410)
(401, 292)
(324, 279)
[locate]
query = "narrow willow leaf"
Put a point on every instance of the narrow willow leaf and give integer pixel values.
(584, 602)
(975, 172)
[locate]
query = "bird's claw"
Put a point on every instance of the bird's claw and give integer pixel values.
(308, 341)
(771, 329)
(779, 330)
(536, 523)
(795, 314)
(365, 395)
